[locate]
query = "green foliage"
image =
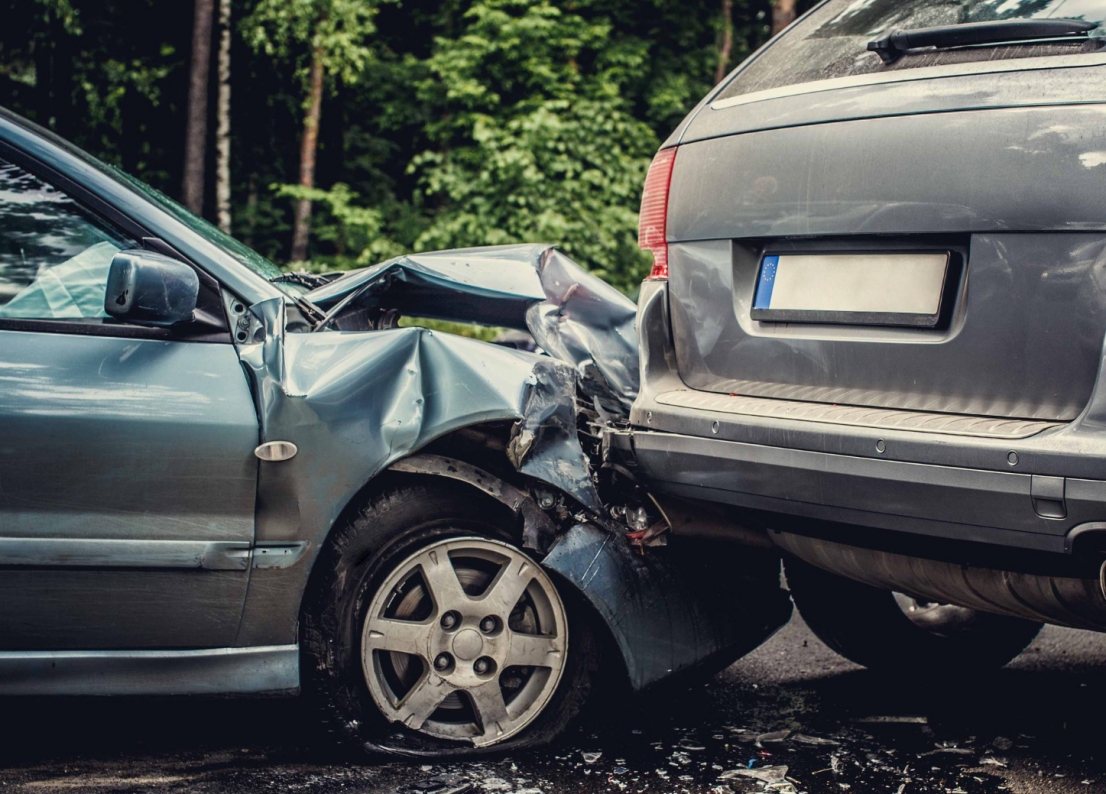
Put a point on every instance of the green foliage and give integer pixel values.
(566, 172)
(355, 233)
(291, 30)
(446, 122)
(535, 140)
(63, 11)
(482, 332)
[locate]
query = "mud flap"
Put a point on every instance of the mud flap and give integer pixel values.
(674, 608)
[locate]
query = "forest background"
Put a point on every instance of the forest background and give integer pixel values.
(331, 134)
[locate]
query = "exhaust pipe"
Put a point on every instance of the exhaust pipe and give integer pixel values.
(1066, 601)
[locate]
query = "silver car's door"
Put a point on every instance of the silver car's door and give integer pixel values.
(127, 475)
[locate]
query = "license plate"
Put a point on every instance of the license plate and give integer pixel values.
(855, 289)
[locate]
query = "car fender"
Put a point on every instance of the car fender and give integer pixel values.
(353, 403)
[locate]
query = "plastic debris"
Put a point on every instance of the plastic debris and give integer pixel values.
(773, 778)
(947, 750)
(775, 737)
(894, 720)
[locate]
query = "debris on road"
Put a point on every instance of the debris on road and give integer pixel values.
(773, 778)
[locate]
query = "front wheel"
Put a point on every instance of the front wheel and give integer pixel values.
(431, 633)
(889, 632)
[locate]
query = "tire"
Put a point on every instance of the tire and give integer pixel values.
(887, 632)
(382, 583)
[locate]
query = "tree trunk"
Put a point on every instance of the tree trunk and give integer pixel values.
(222, 126)
(783, 14)
(195, 140)
(308, 148)
(725, 50)
(251, 211)
(53, 96)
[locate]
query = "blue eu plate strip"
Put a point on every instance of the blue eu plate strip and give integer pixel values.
(763, 297)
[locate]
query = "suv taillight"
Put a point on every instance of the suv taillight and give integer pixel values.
(653, 220)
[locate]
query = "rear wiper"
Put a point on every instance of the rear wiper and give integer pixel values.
(891, 46)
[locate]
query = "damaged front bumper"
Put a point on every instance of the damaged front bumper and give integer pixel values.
(692, 605)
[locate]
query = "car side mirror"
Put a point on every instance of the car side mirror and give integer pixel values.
(145, 288)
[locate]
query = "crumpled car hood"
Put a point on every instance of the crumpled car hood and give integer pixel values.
(354, 402)
(572, 315)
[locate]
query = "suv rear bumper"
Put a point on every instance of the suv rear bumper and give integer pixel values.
(1035, 491)
(995, 508)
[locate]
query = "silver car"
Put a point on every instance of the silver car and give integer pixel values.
(874, 330)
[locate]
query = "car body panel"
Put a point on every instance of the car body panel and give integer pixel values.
(984, 430)
(986, 85)
(867, 176)
(1024, 339)
(571, 314)
(218, 671)
(113, 448)
(660, 625)
(347, 401)
(909, 482)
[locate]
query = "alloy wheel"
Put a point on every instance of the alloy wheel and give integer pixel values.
(466, 639)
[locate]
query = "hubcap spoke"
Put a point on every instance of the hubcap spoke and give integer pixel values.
(532, 650)
(491, 710)
(441, 578)
(508, 587)
(404, 636)
(422, 700)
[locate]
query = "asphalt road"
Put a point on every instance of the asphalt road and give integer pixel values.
(1036, 726)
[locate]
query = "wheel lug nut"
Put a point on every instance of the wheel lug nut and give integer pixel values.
(442, 661)
(449, 620)
(488, 624)
(480, 666)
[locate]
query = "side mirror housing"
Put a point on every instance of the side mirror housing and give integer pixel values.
(145, 288)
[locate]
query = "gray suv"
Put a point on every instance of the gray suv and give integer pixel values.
(873, 333)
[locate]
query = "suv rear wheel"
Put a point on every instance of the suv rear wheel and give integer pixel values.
(428, 632)
(886, 631)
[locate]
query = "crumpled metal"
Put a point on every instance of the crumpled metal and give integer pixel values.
(572, 315)
(356, 402)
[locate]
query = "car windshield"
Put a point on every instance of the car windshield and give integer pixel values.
(831, 41)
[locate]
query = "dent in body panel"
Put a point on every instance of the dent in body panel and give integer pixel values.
(572, 315)
(671, 612)
(356, 401)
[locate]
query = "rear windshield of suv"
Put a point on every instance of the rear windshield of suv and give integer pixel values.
(831, 41)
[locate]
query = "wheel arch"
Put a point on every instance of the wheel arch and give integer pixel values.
(473, 458)
(650, 611)
(531, 527)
